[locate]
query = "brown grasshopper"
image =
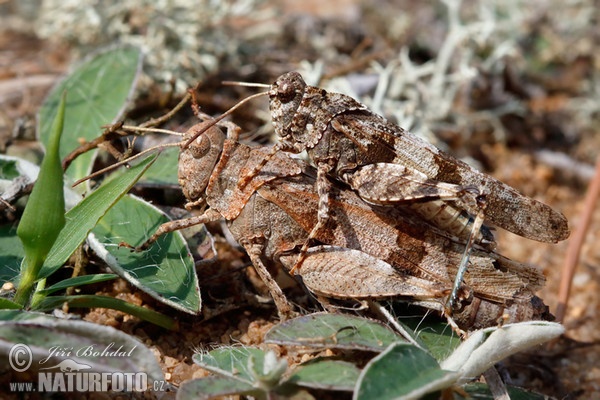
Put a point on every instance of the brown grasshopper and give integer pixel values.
(387, 165)
(367, 252)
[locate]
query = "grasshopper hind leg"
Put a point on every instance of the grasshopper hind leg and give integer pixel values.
(464, 262)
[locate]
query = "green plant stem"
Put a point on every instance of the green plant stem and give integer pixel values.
(29, 272)
(38, 296)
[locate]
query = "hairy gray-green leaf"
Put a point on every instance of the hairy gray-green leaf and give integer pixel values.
(486, 347)
(165, 271)
(165, 172)
(98, 93)
(324, 330)
(11, 254)
(43, 333)
(213, 386)
(402, 371)
(326, 374)
(233, 362)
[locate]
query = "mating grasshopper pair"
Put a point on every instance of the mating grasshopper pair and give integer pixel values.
(385, 165)
(364, 251)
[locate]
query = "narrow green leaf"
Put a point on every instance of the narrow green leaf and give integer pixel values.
(77, 281)
(324, 330)
(326, 374)
(166, 271)
(6, 304)
(44, 215)
(98, 93)
(213, 386)
(82, 342)
(94, 301)
(402, 371)
(84, 216)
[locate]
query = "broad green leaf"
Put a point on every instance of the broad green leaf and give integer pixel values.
(11, 254)
(82, 342)
(326, 374)
(77, 281)
(94, 301)
(8, 169)
(98, 93)
(165, 271)
(13, 167)
(402, 371)
(213, 386)
(84, 216)
(233, 362)
(439, 338)
(324, 330)
(27, 173)
(44, 214)
(165, 172)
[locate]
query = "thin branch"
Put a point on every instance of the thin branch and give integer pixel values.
(574, 248)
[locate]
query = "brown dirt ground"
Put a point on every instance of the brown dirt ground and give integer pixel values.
(568, 369)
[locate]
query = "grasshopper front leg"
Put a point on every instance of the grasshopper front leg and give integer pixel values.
(209, 215)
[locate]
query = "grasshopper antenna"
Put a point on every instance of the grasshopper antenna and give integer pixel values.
(219, 118)
(232, 109)
(129, 159)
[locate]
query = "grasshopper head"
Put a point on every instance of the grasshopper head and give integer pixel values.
(285, 98)
(197, 161)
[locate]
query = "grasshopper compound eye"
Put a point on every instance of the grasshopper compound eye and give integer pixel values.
(289, 87)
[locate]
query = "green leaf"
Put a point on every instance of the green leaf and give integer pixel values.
(326, 374)
(11, 254)
(82, 342)
(6, 304)
(438, 337)
(233, 362)
(77, 281)
(44, 214)
(402, 371)
(324, 330)
(166, 271)
(98, 92)
(8, 169)
(486, 347)
(92, 301)
(22, 168)
(84, 216)
(213, 386)
(165, 172)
